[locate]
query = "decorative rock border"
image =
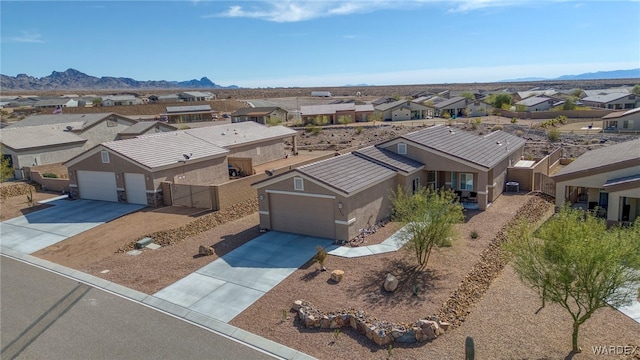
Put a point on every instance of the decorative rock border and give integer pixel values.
(380, 332)
(452, 313)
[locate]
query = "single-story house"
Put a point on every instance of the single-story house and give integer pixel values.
(335, 113)
(58, 103)
(607, 178)
(614, 100)
(535, 103)
(117, 100)
(455, 107)
(622, 121)
(145, 128)
(49, 139)
(383, 100)
(133, 170)
(168, 98)
(186, 114)
(404, 110)
(261, 115)
(195, 96)
(334, 198)
(521, 95)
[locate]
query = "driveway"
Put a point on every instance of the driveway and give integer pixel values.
(227, 286)
(38, 230)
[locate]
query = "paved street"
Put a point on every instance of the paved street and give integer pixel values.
(67, 319)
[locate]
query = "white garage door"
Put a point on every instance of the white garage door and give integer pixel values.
(97, 185)
(302, 215)
(136, 188)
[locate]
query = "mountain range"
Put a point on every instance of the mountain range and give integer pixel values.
(72, 79)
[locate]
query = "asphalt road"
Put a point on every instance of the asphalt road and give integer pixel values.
(47, 316)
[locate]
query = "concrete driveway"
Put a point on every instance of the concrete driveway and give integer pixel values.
(227, 286)
(38, 230)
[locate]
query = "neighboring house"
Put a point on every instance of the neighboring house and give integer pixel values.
(133, 170)
(321, 93)
(335, 113)
(50, 139)
(186, 114)
(404, 110)
(614, 100)
(383, 100)
(145, 128)
(622, 121)
(58, 103)
(118, 100)
(455, 107)
(195, 96)
(535, 103)
(521, 95)
(607, 178)
(619, 90)
(261, 115)
(334, 198)
(478, 108)
(169, 98)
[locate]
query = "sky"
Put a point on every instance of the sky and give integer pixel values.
(291, 43)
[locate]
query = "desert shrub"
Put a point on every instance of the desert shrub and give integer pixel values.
(359, 130)
(519, 133)
(446, 115)
(514, 120)
(496, 127)
(320, 256)
(50, 175)
(553, 135)
(474, 234)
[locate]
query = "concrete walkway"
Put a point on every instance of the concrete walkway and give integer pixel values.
(393, 243)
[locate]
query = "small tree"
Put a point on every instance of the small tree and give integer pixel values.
(636, 89)
(429, 216)
(553, 135)
(501, 100)
(6, 171)
(320, 257)
(575, 261)
(569, 103)
(468, 95)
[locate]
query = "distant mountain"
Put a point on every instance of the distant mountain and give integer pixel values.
(72, 79)
(600, 75)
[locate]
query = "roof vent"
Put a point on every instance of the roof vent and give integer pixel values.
(69, 128)
(224, 133)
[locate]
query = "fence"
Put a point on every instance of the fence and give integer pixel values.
(544, 184)
(571, 114)
(194, 196)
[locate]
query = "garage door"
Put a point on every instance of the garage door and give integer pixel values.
(302, 215)
(97, 185)
(136, 188)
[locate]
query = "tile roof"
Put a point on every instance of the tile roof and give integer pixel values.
(605, 98)
(389, 158)
(51, 102)
(333, 108)
(142, 126)
(593, 159)
(86, 120)
(230, 135)
(391, 105)
(347, 173)
(254, 110)
(197, 94)
(485, 151)
(191, 108)
(164, 149)
(618, 114)
(27, 137)
(449, 102)
(531, 101)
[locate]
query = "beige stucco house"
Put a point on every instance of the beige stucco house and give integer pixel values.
(334, 198)
(133, 170)
(261, 115)
(622, 121)
(607, 178)
(55, 138)
(404, 110)
(335, 113)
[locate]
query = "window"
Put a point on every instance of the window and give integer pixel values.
(258, 150)
(431, 180)
(416, 184)
(298, 184)
(402, 148)
(105, 156)
(466, 181)
(628, 124)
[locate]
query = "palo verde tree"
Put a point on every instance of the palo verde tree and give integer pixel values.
(429, 216)
(573, 260)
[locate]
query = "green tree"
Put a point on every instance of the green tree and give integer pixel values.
(96, 101)
(273, 121)
(577, 93)
(569, 103)
(636, 90)
(6, 171)
(429, 216)
(375, 116)
(573, 260)
(468, 95)
(501, 100)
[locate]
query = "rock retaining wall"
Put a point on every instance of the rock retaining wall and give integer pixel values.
(453, 311)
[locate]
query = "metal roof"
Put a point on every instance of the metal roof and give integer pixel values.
(164, 149)
(593, 159)
(486, 151)
(48, 119)
(389, 158)
(347, 173)
(191, 108)
(27, 137)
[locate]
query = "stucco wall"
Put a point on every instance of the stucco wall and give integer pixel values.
(268, 151)
(592, 181)
(43, 155)
(367, 208)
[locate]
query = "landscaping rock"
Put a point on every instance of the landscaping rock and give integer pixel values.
(337, 275)
(205, 250)
(390, 283)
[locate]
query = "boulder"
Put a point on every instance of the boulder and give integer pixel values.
(390, 283)
(205, 250)
(337, 275)
(297, 305)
